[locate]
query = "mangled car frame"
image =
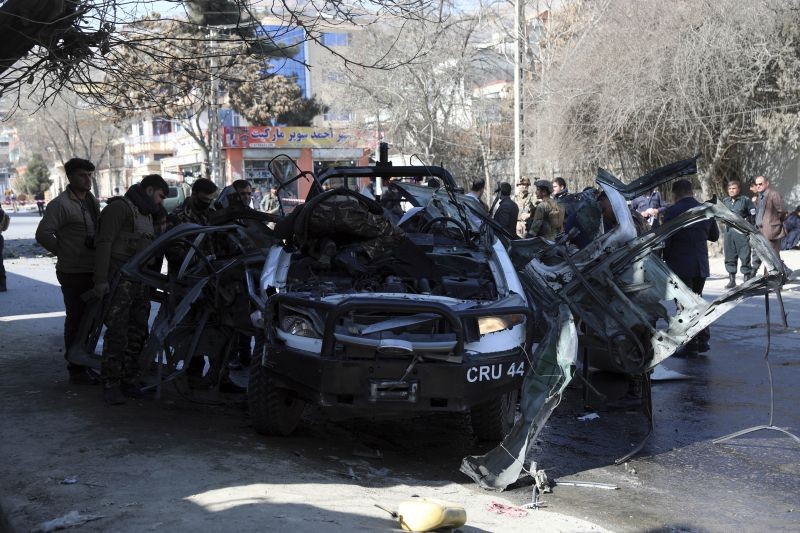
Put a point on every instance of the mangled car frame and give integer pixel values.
(399, 304)
(413, 300)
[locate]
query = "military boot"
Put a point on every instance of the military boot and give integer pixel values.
(112, 395)
(731, 281)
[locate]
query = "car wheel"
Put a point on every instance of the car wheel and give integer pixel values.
(274, 410)
(491, 421)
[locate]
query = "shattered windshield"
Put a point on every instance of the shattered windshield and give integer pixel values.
(290, 183)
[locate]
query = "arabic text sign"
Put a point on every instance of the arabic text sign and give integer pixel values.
(295, 137)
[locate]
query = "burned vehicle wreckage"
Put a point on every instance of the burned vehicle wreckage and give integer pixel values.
(416, 301)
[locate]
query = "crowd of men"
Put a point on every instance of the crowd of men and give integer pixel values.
(91, 245)
(546, 214)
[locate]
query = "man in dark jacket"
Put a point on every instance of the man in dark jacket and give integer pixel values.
(686, 253)
(2, 268)
(507, 210)
(40, 202)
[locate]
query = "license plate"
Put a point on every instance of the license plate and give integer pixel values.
(495, 371)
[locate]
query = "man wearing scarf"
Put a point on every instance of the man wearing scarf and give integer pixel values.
(197, 207)
(126, 227)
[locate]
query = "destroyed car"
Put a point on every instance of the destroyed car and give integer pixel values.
(388, 305)
(394, 304)
(413, 300)
(617, 307)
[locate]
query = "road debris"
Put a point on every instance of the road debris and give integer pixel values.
(541, 485)
(579, 483)
(427, 514)
(71, 519)
(510, 510)
(588, 416)
(71, 480)
(351, 474)
(368, 453)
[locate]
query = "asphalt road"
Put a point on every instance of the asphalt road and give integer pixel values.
(680, 481)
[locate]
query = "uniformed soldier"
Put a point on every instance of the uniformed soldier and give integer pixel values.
(197, 207)
(548, 217)
(194, 210)
(126, 227)
(736, 246)
(523, 201)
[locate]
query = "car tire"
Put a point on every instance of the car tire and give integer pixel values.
(491, 421)
(274, 410)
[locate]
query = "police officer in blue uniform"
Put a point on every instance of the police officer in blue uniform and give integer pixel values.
(736, 245)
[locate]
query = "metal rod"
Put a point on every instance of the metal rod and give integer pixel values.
(769, 426)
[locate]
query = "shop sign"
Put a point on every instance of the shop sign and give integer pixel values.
(295, 137)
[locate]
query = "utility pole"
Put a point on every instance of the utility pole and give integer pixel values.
(214, 138)
(519, 36)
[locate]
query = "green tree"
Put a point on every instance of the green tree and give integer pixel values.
(37, 176)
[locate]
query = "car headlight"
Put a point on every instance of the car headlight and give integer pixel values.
(492, 324)
(300, 326)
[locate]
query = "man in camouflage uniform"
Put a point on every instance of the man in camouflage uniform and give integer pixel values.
(194, 210)
(547, 220)
(735, 245)
(523, 201)
(126, 227)
(197, 207)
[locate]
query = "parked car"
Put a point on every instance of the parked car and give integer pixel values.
(178, 192)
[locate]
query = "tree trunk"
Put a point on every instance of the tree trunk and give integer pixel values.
(708, 178)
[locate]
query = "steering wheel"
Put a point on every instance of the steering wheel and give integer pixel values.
(425, 228)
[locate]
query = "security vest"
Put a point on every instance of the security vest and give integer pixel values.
(141, 234)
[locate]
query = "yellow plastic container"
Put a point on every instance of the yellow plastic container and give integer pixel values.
(428, 514)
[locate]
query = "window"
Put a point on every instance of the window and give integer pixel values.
(159, 157)
(229, 118)
(294, 65)
(335, 39)
(140, 159)
(162, 126)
